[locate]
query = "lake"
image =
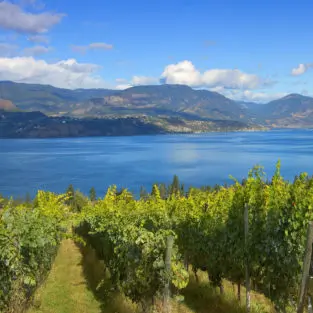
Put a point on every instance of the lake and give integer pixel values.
(27, 165)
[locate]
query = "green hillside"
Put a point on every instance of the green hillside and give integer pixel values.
(159, 101)
(45, 98)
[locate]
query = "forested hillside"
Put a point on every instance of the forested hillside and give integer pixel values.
(39, 125)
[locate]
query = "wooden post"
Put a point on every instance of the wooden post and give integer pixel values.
(306, 269)
(248, 299)
(168, 257)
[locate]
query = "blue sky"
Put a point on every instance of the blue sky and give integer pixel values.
(247, 50)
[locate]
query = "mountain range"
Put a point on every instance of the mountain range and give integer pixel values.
(162, 103)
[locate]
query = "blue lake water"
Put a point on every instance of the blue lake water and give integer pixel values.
(27, 165)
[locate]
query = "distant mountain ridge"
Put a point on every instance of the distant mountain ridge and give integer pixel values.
(46, 98)
(150, 100)
(293, 110)
(178, 101)
(165, 99)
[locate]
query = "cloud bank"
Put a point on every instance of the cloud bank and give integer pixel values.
(234, 84)
(12, 17)
(301, 69)
(64, 74)
(185, 73)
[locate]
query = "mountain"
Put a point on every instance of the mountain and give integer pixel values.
(38, 125)
(7, 105)
(46, 98)
(171, 100)
(293, 110)
(158, 102)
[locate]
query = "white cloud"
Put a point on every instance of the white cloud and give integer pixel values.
(233, 84)
(73, 66)
(135, 81)
(185, 73)
(36, 50)
(38, 39)
(93, 46)
(301, 69)
(182, 73)
(232, 79)
(123, 86)
(144, 80)
(64, 74)
(12, 17)
(219, 89)
(248, 95)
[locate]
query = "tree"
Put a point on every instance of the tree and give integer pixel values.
(155, 192)
(182, 189)
(70, 191)
(92, 194)
(80, 201)
(175, 186)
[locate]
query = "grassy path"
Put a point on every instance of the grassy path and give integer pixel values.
(66, 289)
(73, 286)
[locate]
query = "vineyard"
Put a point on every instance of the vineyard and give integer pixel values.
(251, 233)
(29, 240)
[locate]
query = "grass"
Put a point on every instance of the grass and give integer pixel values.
(201, 297)
(65, 290)
(78, 283)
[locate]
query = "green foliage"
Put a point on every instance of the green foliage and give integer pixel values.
(70, 191)
(92, 194)
(29, 238)
(208, 225)
(175, 188)
(77, 200)
(163, 191)
(130, 235)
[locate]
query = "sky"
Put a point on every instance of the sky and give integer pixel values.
(246, 50)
